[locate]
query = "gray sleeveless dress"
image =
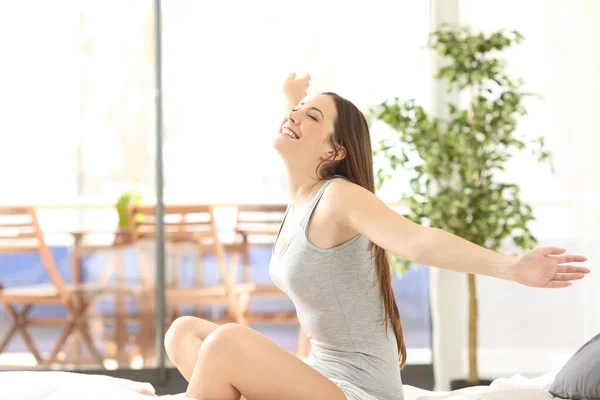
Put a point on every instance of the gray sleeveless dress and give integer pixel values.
(339, 305)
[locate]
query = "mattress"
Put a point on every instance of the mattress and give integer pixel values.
(52, 385)
(514, 388)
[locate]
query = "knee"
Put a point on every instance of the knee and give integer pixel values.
(181, 327)
(225, 339)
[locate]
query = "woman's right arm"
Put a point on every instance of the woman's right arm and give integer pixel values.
(295, 90)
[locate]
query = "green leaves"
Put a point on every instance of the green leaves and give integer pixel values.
(454, 161)
(470, 56)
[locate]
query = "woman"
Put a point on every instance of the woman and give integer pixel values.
(329, 257)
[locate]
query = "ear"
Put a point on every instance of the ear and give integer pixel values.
(331, 155)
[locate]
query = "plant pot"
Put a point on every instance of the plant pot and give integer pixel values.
(463, 383)
(125, 200)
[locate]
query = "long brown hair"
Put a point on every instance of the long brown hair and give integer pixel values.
(352, 132)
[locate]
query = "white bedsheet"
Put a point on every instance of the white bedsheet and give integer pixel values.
(34, 385)
(54, 385)
(515, 388)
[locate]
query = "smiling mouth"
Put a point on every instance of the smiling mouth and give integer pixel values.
(288, 132)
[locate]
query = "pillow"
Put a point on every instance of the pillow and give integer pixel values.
(580, 376)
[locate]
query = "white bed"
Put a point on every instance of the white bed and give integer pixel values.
(30, 385)
(514, 388)
(51, 385)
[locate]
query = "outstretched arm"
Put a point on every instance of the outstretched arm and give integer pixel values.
(295, 90)
(367, 214)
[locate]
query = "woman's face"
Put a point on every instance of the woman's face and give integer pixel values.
(304, 135)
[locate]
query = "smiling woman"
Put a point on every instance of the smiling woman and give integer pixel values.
(345, 304)
(84, 100)
(330, 258)
(308, 125)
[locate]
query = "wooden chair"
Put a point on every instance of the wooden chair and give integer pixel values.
(191, 228)
(20, 232)
(260, 223)
(114, 343)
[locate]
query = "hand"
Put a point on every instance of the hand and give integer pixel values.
(543, 268)
(295, 89)
(146, 392)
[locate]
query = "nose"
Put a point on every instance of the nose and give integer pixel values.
(293, 116)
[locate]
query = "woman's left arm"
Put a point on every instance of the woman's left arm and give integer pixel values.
(367, 214)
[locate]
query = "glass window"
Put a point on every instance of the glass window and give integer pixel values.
(78, 85)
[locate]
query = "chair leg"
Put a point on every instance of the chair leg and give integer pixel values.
(30, 344)
(19, 320)
(147, 335)
(7, 337)
(78, 313)
(87, 338)
(77, 323)
(59, 345)
(74, 344)
(247, 275)
(244, 303)
(234, 309)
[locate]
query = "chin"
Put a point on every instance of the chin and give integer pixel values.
(281, 145)
(285, 151)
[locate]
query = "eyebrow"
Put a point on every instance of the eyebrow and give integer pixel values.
(316, 109)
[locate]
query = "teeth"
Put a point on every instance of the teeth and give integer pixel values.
(289, 133)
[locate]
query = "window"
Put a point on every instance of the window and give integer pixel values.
(78, 85)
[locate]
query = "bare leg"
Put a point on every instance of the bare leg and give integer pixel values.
(236, 360)
(184, 340)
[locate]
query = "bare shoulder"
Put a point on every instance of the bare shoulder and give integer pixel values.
(342, 196)
(358, 209)
(343, 184)
(333, 211)
(346, 192)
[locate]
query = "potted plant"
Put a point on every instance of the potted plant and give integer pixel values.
(455, 160)
(125, 199)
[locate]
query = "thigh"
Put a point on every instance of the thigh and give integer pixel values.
(260, 369)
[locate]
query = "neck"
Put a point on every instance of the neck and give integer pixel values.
(302, 186)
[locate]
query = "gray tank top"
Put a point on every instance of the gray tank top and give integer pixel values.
(339, 305)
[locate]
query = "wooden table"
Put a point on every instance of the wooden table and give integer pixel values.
(119, 289)
(120, 314)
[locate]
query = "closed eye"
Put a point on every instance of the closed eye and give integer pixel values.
(312, 108)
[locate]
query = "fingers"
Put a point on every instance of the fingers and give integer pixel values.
(293, 76)
(568, 277)
(306, 80)
(557, 284)
(146, 392)
(554, 250)
(563, 269)
(566, 259)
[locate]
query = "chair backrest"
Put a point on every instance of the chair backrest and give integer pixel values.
(20, 232)
(181, 222)
(260, 220)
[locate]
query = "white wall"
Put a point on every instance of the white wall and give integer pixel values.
(228, 88)
(37, 97)
(78, 71)
(524, 330)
